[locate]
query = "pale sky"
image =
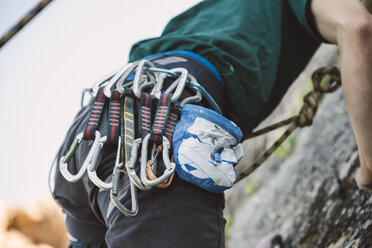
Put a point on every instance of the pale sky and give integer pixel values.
(44, 68)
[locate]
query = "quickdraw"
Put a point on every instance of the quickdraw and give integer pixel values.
(90, 133)
(159, 111)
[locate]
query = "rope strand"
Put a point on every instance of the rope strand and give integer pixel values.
(21, 23)
(324, 80)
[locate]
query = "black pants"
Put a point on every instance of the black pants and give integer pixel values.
(182, 215)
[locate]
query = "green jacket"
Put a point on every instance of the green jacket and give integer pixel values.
(258, 46)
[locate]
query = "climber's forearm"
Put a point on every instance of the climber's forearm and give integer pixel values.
(356, 73)
(348, 24)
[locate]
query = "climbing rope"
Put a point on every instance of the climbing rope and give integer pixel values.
(324, 80)
(26, 19)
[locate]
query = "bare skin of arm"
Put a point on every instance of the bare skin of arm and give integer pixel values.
(348, 24)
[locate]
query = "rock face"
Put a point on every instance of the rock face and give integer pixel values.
(38, 225)
(310, 197)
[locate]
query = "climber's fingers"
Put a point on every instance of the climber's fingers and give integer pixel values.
(364, 179)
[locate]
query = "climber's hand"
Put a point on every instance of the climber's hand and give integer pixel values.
(364, 179)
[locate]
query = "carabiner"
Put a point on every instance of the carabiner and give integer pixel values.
(192, 99)
(122, 74)
(156, 91)
(151, 168)
(63, 163)
(93, 165)
(114, 193)
(195, 85)
(100, 82)
(126, 74)
(137, 78)
(179, 84)
(169, 166)
(131, 166)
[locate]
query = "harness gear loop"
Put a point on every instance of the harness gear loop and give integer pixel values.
(213, 104)
(324, 80)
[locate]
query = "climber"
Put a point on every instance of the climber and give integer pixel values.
(245, 53)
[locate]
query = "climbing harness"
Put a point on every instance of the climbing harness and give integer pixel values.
(324, 80)
(145, 141)
(158, 130)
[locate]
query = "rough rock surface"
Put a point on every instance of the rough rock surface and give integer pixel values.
(310, 197)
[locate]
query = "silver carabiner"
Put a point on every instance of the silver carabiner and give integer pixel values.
(169, 166)
(100, 82)
(192, 99)
(93, 165)
(137, 78)
(156, 91)
(119, 83)
(63, 163)
(114, 193)
(195, 85)
(123, 73)
(130, 166)
(179, 84)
